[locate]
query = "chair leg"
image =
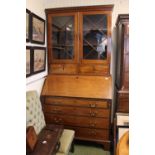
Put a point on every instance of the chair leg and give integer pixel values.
(72, 147)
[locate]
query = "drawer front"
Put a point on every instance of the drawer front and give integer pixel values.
(63, 69)
(96, 69)
(101, 69)
(77, 102)
(89, 133)
(78, 111)
(89, 122)
(123, 103)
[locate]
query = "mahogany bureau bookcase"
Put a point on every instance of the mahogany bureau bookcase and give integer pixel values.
(122, 64)
(122, 76)
(78, 89)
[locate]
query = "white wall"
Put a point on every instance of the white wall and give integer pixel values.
(36, 81)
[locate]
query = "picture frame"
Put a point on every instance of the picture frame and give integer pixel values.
(28, 61)
(37, 29)
(28, 23)
(39, 59)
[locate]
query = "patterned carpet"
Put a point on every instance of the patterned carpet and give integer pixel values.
(82, 149)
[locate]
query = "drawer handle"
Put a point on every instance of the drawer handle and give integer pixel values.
(92, 105)
(93, 114)
(57, 111)
(57, 120)
(92, 124)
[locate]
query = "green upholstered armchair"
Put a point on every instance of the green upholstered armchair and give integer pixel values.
(35, 118)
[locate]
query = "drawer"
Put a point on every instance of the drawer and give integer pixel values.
(90, 122)
(96, 69)
(63, 69)
(78, 111)
(89, 133)
(77, 102)
(102, 69)
(123, 103)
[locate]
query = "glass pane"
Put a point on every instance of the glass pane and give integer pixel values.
(63, 37)
(95, 37)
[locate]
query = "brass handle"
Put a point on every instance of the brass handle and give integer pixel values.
(57, 120)
(92, 125)
(94, 132)
(93, 114)
(92, 105)
(57, 110)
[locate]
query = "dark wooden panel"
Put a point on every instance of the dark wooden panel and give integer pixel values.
(123, 102)
(122, 55)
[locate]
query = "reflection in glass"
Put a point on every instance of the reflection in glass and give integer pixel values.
(95, 37)
(63, 37)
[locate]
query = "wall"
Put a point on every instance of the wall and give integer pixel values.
(35, 82)
(120, 7)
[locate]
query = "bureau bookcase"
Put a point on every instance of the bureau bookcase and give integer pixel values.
(79, 40)
(78, 89)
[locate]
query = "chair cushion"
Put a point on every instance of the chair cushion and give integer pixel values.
(66, 141)
(34, 113)
(59, 153)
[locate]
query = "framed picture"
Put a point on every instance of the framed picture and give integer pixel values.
(28, 61)
(39, 59)
(37, 29)
(28, 20)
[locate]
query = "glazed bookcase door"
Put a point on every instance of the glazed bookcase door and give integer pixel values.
(95, 36)
(62, 38)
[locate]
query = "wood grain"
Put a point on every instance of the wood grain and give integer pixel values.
(78, 86)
